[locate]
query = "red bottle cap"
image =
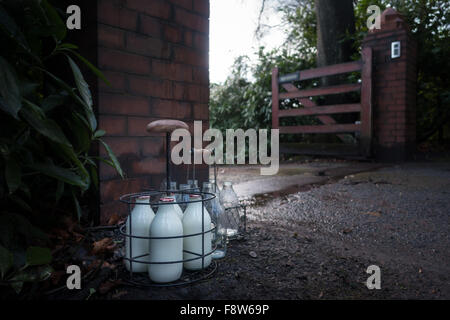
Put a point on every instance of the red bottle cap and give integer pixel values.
(165, 199)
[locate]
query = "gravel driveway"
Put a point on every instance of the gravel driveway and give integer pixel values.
(397, 218)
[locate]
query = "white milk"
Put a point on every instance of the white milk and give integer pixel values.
(141, 219)
(178, 210)
(166, 224)
(192, 224)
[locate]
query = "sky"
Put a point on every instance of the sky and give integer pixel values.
(232, 28)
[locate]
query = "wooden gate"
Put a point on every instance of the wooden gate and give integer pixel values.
(323, 112)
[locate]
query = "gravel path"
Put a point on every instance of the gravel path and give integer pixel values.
(397, 218)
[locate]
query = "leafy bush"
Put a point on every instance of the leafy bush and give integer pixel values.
(241, 103)
(47, 132)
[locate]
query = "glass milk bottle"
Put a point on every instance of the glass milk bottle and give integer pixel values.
(172, 186)
(193, 184)
(166, 224)
(230, 201)
(141, 219)
(207, 187)
(192, 224)
(221, 238)
(184, 197)
(217, 216)
(178, 210)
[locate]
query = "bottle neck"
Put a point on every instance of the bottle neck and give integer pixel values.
(196, 205)
(166, 208)
(143, 201)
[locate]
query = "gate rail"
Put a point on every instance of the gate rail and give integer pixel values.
(322, 112)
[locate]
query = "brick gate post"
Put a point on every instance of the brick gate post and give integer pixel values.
(394, 88)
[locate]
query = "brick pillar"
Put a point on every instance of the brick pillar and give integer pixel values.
(394, 89)
(155, 54)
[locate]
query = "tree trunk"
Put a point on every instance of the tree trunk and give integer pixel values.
(334, 20)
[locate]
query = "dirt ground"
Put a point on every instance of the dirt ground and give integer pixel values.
(316, 242)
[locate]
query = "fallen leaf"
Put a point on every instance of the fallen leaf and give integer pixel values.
(114, 219)
(106, 264)
(347, 231)
(78, 236)
(103, 245)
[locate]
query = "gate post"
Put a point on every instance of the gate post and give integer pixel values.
(394, 88)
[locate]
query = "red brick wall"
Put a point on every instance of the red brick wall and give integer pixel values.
(394, 89)
(155, 54)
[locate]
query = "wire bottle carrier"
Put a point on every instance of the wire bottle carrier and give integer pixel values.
(187, 277)
(142, 279)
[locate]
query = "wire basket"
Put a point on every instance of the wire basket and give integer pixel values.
(187, 277)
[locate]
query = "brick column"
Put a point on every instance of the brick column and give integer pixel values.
(155, 54)
(394, 89)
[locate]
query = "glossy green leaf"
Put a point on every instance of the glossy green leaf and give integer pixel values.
(95, 70)
(67, 46)
(88, 110)
(31, 274)
(13, 175)
(27, 88)
(47, 127)
(99, 134)
(61, 174)
(9, 89)
(112, 156)
(37, 256)
(20, 202)
(9, 26)
(77, 206)
(83, 87)
(81, 134)
(53, 101)
(55, 20)
(83, 172)
(6, 261)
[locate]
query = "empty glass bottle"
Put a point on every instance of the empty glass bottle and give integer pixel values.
(173, 185)
(216, 210)
(231, 216)
(184, 197)
(194, 185)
